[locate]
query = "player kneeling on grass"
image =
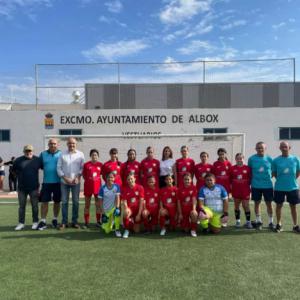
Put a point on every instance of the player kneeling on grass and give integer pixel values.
(92, 183)
(109, 197)
(240, 176)
(187, 202)
(151, 205)
(213, 205)
(168, 205)
(132, 199)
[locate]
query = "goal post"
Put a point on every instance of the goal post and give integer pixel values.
(232, 142)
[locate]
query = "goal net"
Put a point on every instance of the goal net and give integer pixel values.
(232, 142)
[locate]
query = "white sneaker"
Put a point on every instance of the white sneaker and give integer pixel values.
(118, 233)
(34, 226)
(19, 227)
(224, 225)
(126, 234)
(163, 232)
(193, 233)
(238, 223)
(248, 225)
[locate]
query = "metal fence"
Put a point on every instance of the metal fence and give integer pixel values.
(64, 83)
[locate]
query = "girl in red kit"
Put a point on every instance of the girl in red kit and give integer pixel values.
(187, 202)
(240, 176)
(132, 199)
(221, 170)
(202, 169)
(91, 173)
(149, 167)
(151, 205)
(130, 167)
(113, 166)
(183, 165)
(168, 205)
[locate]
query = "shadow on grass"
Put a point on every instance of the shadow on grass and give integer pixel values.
(96, 234)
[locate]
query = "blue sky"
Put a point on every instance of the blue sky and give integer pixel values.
(88, 31)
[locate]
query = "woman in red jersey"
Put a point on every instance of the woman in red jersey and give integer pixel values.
(168, 205)
(91, 173)
(240, 175)
(202, 169)
(113, 166)
(183, 165)
(151, 205)
(132, 199)
(221, 169)
(130, 167)
(187, 202)
(149, 167)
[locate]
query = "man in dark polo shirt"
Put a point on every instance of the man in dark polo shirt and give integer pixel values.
(27, 168)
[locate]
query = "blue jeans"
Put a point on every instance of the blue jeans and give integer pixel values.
(65, 192)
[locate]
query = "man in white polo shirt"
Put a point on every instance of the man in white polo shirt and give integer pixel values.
(69, 169)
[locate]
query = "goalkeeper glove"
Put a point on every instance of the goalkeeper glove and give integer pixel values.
(117, 212)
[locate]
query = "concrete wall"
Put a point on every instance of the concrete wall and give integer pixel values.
(211, 95)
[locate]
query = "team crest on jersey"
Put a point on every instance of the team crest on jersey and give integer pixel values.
(149, 170)
(114, 172)
(239, 177)
(132, 200)
(203, 175)
(183, 169)
(223, 173)
(151, 200)
(187, 199)
(169, 200)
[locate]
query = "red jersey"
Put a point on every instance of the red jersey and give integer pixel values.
(240, 181)
(112, 167)
(132, 168)
(133, 197)
(200, 171)
(152, 199)
(183, 166)
(149, 167)
(92, 180)
(185, 196)
(168, 198)
(222, 172)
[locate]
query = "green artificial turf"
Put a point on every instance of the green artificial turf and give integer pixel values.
(86, 264)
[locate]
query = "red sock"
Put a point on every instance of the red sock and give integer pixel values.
(162, 222)
(98, 215)
(172, 223)
(126, 222)
(87, 218)
(193, 226)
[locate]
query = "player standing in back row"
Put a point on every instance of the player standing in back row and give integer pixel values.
(261, 183)
(183, 165)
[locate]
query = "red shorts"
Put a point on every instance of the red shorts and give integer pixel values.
(243, 194)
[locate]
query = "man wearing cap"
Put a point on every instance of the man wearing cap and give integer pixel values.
(26, 168)
(51, 183)
(69, 169)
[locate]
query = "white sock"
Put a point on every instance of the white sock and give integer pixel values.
(43, 220)
(258, 218)
(270, 219)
